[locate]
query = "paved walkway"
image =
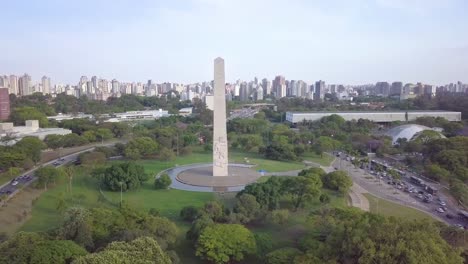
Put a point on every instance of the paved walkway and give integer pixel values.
(356, 192)
(358, 199)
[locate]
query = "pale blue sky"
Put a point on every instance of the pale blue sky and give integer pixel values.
(339, 41)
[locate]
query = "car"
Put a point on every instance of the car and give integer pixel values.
(459, 226)
(14, 183)
(8, 192)
(440, 210)
(62, 159)
(420, 196)
(444, 208)
(442, 203)
(449, 216)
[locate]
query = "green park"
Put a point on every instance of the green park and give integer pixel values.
(115, 204)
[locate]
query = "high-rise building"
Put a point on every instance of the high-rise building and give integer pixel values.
(115, 86)
(24, 85)
(279, 86)
(4, 81)
(382, 88)
(4, 104)
(396, 88)
(243, 92)
(14, 84)
(266, 85)
(45, 85)
(319, 94)
(94, 81)
(258, 96)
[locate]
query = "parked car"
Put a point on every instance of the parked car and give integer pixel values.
(440, 210)
(449, 216)
(14, 183)
(442, 203)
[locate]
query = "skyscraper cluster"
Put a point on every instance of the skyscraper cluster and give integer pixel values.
(255, 90)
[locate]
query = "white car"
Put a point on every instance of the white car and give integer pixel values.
(442, 203)
(14, 183)
(440, 210)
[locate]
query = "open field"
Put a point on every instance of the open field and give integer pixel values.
(17, 211)
(386, 208)
(325, 160)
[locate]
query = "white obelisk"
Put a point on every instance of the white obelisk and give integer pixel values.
(220, 147)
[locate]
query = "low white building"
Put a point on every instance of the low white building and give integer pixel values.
(61, 116)
(186, 111)
(374, 116)
(138, 115)
(31, 129)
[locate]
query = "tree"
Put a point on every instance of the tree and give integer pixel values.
(92, 158)
(325, 144)
(47, 175)
(130, 174)
(279, 217)
(351, 236)
(337, 181)
(189, 213)
(76, 226)
(26, 247)
(264, 244)
(140, 250)
(163, 182)
(214, 210)
(223, 243)
(31, 147)
(198, 226)
(247, 208)
(140, 147)
(267, 194)
(54, 141)
(74, 140)
(282, 256)
(103, 134)
(303, 189)
(20, 114)
(166, 154)
(89, 135)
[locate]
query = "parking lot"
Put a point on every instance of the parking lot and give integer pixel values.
(407, 191)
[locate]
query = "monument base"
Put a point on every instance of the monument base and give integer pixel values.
(203, 176)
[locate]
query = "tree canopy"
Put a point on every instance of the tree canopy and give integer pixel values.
(223, 243)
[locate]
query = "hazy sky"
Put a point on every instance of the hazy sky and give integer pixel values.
(339, 41)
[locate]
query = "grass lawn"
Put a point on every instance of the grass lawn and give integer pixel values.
(325, 160)
(386, 208)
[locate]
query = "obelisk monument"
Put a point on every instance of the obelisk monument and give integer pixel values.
(220, 147)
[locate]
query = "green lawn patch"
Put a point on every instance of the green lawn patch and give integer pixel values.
(261, 163)
(387, 208)
(324, 160)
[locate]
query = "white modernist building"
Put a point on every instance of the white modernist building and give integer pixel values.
(138, 115)
(376, 116)
(409, 132)
(61, 117)
(31, 129)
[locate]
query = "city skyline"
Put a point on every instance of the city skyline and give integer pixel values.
(366, 41)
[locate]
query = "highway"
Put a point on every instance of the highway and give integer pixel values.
(28, 177)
